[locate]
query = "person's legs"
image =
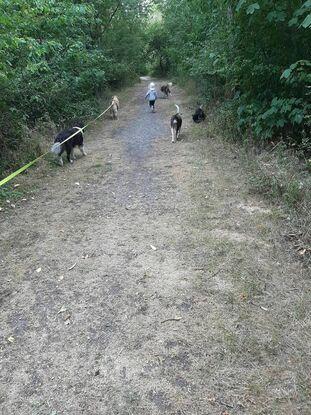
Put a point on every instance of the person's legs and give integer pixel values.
(151, 105)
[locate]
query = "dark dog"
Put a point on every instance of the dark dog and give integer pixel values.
(69, 145)
(199, 115)
(166, 90)
(176, 122)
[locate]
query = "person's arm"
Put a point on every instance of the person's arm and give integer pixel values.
(147, 94)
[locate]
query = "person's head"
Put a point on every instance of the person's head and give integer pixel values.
(152, 85)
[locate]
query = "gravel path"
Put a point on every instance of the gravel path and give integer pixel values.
(145, 279)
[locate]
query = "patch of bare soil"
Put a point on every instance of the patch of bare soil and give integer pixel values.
(145, 279)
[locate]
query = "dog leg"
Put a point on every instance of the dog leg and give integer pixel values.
(81, 148)
(173, 135)
(60, 161)
(71, 156)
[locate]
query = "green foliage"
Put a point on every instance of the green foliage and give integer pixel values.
(7, 194)
(58, 56)
(255, 54)
(156, 52)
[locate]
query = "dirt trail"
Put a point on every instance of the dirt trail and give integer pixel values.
(184, 298)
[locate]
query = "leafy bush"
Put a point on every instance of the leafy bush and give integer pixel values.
(253, 53)
(58, 57)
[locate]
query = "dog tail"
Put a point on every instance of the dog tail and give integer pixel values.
(56, 148)
(178, 111)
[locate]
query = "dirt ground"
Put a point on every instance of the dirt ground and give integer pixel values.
(146, 279)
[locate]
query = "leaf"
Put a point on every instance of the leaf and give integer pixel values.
(280, 123)
(293, 22)
(240, 4)
(307, 21)
(298, 118)
(252, 7)
(286, 74)
(62, 310)
(276, 16)
(11, 339)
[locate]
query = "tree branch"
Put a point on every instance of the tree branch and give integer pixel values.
(112, 15)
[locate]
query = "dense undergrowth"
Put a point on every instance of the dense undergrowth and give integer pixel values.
(57, 58)
(252, 56)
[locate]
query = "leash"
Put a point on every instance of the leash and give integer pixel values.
(31, 163)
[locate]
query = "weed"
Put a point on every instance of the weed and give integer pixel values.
(9, 194)
(96, 166)
(294, 194)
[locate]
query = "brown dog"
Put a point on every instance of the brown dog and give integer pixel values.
(115, 107)
(166, 89)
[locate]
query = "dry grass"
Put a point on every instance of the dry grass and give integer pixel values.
(262, 292)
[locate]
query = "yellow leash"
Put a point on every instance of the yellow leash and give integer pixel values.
(26, 166)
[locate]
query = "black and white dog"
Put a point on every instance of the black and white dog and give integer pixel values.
(176, 122)
(69, 145)
(199, 115)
